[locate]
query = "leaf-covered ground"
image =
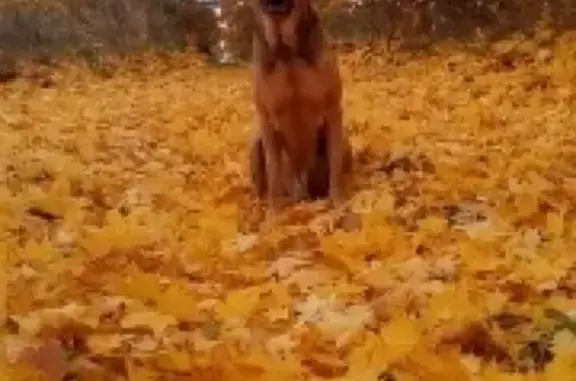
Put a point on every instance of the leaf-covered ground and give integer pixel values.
(133, 252)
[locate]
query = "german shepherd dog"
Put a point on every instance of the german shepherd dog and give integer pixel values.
(300, 148)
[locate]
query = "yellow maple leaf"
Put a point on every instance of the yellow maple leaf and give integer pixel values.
(555, 223)
(177, 301)
(175, 360)
(39, 253)
(140, 373)
(125, 232)
(21, 372)
(104, 343)
(346, 249)
(119, 232)
(565, 343)
(367, 360)
(432, 225)
(61, 187)
(241, 303)
(540, 270)
(400, 336)
(562, 367)
(483, 231)
(155, 321)
(140, 286)
(561, 303)
(431, 366)
(96, 243)
(491, 372)
(475, 257)
(526, 205)
(455, 303)
(373, 206)
(379, 238)
(266, 367)
(495, 302)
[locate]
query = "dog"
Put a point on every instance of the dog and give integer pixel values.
(300, 145)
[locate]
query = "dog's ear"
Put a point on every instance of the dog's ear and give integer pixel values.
(308, 34)
(265, 33)
(256, 7)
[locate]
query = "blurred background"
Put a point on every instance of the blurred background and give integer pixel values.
(220, 29)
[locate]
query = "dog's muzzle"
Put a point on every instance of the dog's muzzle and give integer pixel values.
(277, 7)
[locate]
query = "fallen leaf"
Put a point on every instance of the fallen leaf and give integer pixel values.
(49, 358)
(154, 321)
(239, 304)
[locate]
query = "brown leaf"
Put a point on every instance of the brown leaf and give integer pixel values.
(325, 365)
(49, 358)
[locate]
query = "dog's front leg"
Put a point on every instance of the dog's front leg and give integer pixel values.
(273, 156)
(257, 162)
(298, 183)
(336, 154)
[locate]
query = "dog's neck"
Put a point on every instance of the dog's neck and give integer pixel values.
(288, 40)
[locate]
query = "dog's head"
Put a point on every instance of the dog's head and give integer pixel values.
(279, 19)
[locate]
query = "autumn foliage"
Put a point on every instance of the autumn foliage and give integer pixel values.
(132, 246)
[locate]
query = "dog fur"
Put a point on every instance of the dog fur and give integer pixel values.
(300, 148)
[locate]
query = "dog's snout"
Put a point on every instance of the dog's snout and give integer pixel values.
(277, 6)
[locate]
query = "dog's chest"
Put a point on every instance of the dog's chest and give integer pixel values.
(295, 89)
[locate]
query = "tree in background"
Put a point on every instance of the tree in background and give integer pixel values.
(412, 23)
(57, 27)
(93, 28)
(237, 27)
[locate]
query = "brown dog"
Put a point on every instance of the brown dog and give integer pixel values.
(297, 93)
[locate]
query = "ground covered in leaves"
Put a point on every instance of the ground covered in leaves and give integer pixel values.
(133, 252)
